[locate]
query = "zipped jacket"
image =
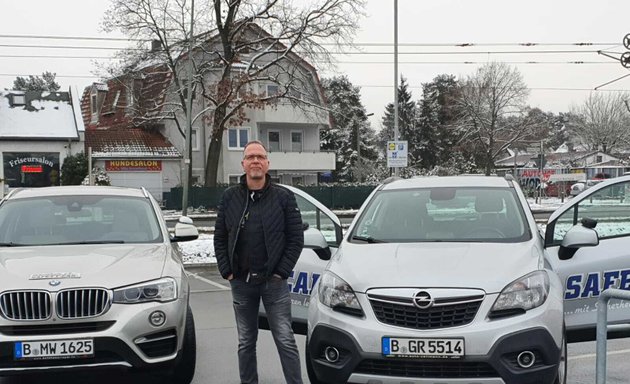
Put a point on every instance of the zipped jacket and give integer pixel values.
(282, 228)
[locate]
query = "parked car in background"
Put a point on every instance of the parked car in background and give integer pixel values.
(90, 279)
(428, 295)
(583, 185)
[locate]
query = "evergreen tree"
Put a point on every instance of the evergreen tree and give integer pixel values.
(436, 114)
(349, 118)
(35, 83)
(74, 169)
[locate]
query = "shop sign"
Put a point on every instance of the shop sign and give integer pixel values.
(133, 165)
(30, 169)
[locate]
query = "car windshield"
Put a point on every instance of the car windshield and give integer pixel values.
(56, 220)
(443, 214)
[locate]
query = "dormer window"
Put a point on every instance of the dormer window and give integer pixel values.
(18, 100)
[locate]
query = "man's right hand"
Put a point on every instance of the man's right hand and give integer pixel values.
(230, 277)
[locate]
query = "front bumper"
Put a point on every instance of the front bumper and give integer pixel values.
(123, 338)
(497, 367)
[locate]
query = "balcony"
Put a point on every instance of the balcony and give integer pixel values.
(302, 161)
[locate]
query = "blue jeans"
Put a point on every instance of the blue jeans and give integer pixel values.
(275, 297)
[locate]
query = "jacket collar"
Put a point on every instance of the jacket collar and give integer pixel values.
(243, 182)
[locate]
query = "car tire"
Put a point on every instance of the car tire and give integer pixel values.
(184, 370)
(561, 377)
(312, 378)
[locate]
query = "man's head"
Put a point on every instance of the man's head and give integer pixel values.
(255, 162)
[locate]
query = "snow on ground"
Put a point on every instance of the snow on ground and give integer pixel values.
(201, 251)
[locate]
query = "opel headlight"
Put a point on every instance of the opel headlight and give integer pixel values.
(335, 293)
(527, 292)
(162, 290)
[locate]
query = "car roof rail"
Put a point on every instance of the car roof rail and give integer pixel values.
(146, 193)
(509, 177)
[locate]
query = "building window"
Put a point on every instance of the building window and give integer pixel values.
(274, 141)
(297, 180)
(194, 140)
(272, 90)
(19, 100)
(237, 137)
(93, 103)
(234, 179)
(296, 141)
(598, 159)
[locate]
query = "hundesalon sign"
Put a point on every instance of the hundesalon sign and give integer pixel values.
(133, 165)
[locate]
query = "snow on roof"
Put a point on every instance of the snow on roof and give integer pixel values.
(133, 142)
(46, 115)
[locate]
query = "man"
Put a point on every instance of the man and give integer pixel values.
(258, 238)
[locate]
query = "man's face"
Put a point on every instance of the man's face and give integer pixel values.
(255, 162)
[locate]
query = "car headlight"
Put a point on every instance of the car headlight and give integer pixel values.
(164, 289)
(523, 294)
(335, 293)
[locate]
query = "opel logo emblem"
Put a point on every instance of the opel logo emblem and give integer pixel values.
(423, 300)
(54, 283)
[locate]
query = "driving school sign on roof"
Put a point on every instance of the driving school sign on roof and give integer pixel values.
(133, 165)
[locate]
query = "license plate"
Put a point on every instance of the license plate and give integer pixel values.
(421, 347)
(53, 349)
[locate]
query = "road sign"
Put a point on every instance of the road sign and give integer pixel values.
(397, 154)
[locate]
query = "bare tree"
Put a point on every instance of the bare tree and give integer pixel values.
(490, 103)
(247, 42)
(603, 121)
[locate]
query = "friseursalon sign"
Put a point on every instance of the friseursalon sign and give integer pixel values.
(31, 169)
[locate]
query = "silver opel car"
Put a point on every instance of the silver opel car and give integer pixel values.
(90, 278)
(439, 279)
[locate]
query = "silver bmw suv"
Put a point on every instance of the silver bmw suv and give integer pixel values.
(439, 279)
(89, 278)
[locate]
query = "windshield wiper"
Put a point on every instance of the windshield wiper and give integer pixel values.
(94, 242)
(368, 239)
(11, 245)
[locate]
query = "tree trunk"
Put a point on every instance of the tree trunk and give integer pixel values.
(214, 151)
(212, 162)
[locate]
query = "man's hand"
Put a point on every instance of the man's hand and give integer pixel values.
(230, 277)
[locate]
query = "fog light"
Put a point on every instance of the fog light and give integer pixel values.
(331, 354)
(526, 359)
(157, 318)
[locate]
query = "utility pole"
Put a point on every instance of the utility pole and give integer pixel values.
(187, 145)
(395, 76)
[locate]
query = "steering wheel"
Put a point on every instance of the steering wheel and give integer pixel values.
(486, 231)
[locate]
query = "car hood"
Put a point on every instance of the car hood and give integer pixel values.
(487, 266)
(103, 265)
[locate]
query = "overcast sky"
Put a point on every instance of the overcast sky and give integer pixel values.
(422, 24)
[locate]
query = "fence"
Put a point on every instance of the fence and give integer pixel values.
(333, 197)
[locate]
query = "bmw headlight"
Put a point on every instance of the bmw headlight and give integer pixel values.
(335, 293)
(162, 290)
(527, 292)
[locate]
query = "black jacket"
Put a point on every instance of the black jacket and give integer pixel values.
(282, 227)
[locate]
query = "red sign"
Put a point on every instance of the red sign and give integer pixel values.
(133, 165)
(32, 169)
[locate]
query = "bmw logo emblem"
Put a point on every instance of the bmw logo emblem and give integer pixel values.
(54, 283)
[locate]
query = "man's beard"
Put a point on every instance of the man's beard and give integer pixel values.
(257, 175)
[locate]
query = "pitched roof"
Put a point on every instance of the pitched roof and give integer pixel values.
(148, 91)
(133, 142)
(38, 115)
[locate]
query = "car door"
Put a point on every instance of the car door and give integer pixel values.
(309, 266)
(593, 269)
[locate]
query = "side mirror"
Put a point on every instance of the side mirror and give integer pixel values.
(185, 230)
(313, 239)
(581, 235)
